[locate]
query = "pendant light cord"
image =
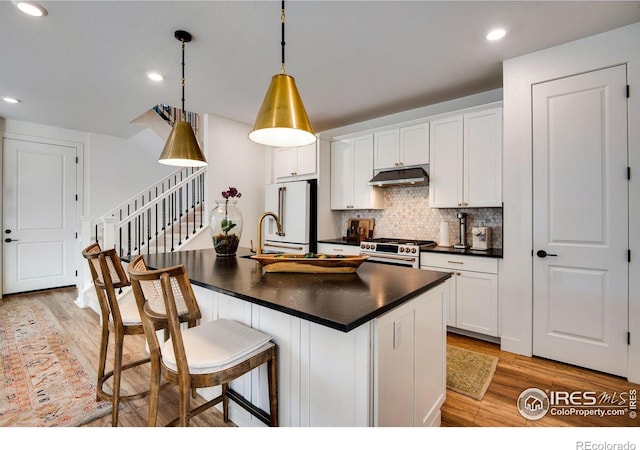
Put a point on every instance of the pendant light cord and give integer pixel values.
(282, 19)
(184, 113)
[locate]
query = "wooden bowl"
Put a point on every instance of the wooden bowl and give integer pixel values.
(300, 264)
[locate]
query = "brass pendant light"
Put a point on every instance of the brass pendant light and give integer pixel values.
(282, 120)
(182, 148)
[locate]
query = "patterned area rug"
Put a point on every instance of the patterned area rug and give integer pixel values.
(45, 380)
(469, 373)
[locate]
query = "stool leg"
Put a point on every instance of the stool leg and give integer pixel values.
(117, 375)
(225, 402)
(184, 391)
(272, 377)
(154, 391)
(104, 344)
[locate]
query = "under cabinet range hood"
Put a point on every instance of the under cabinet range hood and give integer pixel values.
(408, 176)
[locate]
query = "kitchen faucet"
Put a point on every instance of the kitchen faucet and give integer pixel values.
(260, 220)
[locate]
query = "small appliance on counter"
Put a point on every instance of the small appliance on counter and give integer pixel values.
(463, 232)
(444, 235)
(481, 238)
(360, 230)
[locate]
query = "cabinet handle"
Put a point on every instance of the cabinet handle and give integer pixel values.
(459, 204)
(458, 273)
(466, 204)
(338, 250)
(455, 262)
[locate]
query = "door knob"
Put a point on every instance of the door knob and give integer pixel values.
(10, 240)
(543, 254)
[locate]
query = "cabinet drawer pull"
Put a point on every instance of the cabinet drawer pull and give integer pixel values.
(455, 262)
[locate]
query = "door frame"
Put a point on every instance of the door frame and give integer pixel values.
(80, 207)
(616, 47)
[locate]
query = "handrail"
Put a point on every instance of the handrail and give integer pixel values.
(160, 184)
(155, 215)
(159, 199)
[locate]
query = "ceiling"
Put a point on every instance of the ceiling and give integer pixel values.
(84, 65)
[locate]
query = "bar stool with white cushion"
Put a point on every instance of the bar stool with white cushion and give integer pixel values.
(209, 354)
(120, 317)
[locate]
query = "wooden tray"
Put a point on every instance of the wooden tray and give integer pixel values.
(299, 264)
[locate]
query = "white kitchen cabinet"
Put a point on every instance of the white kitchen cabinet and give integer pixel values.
(351, 170)
(473, 290)
(410, 362)
(295, 163)
(403, 146)
(338, 249)
(332, 378)
(465, 160)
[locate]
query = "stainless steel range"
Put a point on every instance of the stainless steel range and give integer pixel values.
(402, 252)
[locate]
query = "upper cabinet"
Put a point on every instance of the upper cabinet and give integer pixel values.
(404, 146)
(351, 170)
(295, 163)
(465, 160)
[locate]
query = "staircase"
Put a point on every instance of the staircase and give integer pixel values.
(160, 219)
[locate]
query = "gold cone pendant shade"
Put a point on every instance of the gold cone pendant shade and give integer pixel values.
(282, 120)
(182, 147)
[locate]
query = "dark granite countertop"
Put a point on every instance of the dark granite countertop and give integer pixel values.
(492, 253)
(339, 301)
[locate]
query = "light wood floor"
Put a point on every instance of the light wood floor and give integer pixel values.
(514, 374)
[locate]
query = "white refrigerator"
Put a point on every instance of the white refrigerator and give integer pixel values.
(295, 204)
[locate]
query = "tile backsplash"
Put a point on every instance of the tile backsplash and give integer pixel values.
(407, 215)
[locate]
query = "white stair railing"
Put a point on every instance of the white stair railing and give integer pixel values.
(159, 219)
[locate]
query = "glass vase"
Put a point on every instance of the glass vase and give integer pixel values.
(225, 223)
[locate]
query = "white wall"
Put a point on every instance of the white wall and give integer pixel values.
(119, 168)
(596, 52)
(235, 161)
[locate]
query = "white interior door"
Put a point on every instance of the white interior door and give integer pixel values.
(580, 288)
(39, 214)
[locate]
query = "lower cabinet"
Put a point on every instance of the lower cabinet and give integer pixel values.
(409, 369)
(387, 372)
(473, 292)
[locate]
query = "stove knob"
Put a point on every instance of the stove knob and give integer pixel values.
(402, 249)
(362, 246)
(413, 250)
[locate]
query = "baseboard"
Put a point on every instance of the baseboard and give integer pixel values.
(472, 334)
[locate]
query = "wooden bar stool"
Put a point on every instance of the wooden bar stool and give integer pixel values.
(210, 354)
(119, 317)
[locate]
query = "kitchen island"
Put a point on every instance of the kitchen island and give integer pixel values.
(361, 349)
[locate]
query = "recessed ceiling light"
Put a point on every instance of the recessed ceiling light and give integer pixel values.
(31, 8)
(155, 76)
(496, 34)
(11, 100)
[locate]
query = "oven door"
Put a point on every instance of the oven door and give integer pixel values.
(392, 259)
